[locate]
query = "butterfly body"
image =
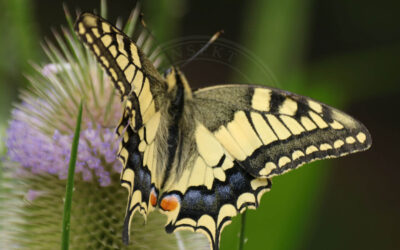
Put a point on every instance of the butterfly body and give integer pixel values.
(201, 157)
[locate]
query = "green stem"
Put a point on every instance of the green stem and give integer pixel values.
(242, 231)
(70, 183)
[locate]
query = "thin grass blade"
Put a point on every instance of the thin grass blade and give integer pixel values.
(70, 183)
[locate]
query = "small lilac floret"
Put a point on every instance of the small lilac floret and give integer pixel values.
(41, 153)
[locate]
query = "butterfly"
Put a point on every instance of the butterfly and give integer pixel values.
(201, 157)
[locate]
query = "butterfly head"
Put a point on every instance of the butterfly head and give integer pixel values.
(174, 76)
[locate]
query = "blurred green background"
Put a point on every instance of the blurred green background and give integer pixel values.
(343, 53)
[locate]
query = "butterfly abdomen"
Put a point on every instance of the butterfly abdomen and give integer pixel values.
(175, 135)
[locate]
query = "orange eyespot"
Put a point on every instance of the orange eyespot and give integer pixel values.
(169, 203)
(153, 198)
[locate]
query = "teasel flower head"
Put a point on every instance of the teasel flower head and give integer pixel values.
(38, 144)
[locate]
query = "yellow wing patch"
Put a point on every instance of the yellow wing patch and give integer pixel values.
(121, 59)
(206, 203)
(270, 131)
(212, 190)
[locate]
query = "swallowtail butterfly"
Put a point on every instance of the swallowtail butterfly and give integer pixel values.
(203, 156)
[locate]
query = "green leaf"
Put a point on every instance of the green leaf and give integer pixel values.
(242, 237)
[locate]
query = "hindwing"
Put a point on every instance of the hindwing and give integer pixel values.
(210, 191)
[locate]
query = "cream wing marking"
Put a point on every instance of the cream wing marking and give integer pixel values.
(122, 60)
(209, 211)
(135, 176)
(112, 48)
(270, 131)
(135, 79)
(210, 191)
(138, 156)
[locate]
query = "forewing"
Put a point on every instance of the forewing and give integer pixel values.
(143, 89)
(270, 131)
(133, 75)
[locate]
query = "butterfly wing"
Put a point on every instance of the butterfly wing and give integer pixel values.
(243, 136)
(271, 131)
(142, 89)
(210, 191)
(233, 138)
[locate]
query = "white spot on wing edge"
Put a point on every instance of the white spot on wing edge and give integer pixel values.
(325, 146)
(297, 154)
(245, 198)
(258, 182)
(186, 221)
(208, 222)
(350, 140)
(338, 144)
(269, 166)
(283, 161)
(227, 210)
(361, 137)
(311, 149)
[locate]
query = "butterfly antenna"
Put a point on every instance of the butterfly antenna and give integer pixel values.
(144, 25)
(212, 39)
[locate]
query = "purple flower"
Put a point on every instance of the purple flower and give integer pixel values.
(44, 153)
